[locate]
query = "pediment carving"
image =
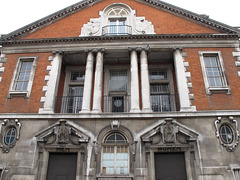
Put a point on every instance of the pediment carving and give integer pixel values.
(169, 131)
(62, 133)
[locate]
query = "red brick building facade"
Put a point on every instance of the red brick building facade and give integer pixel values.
(120, 90)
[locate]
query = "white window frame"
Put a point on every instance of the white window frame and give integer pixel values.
(169, 80)
(68, 82)
(115, 146)
(210, 90)
(26, 93)
(107, 92)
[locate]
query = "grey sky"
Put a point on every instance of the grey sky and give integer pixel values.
(18, 13)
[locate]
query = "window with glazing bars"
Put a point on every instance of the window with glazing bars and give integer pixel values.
(115, 156)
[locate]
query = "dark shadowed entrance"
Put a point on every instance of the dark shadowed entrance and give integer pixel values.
(170, 166)
(62, 166)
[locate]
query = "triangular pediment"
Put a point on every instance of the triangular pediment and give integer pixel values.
(169, 131)
(75, 16)
(62, 132)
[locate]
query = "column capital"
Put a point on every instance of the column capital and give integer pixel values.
(57, 52)
(139, 49)
(177, 48)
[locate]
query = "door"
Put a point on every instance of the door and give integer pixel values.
(170, 166)
(62, 166)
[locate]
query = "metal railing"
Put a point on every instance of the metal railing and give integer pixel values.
(116, 104)
(116, 30)
(163, 102)
(68, 104)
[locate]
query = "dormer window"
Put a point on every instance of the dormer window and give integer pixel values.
(117, 19)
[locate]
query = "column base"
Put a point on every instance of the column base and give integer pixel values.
(45, 111)
(135, 111)
(96, 111)
(147, 110)
(188, 109)
(85, 111)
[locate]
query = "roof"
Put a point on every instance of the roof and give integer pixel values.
(200, 19)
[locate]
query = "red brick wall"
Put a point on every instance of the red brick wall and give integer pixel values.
(214, 101)
(164, 23)
(21, 104)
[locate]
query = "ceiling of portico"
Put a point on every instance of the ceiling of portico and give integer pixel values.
(118, 57)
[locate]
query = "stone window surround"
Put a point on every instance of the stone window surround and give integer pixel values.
(233, 124)
(98, 148)
(4, 127)
(139, 24)
(114, 145)
(211, 90)
(26, 93)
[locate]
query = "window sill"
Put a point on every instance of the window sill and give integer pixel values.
(218, 90)
(119, 177)
(18, 94)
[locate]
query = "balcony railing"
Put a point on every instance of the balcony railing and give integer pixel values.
(116, 30)
(68, 104)
(116, 104)
(163, 102)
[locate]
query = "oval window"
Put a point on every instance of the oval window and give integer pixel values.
(10, 136)
(226, 134)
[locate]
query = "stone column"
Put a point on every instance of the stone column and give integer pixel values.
(134, 82)
(87, 91)
(185, 104)
(52, 85)
(145, 84)
(97, 96)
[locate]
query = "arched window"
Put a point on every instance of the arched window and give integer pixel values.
(115, 154)
(118, 22)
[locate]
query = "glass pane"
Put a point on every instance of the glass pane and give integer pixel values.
(10, 136)
(77, 76)
(118, 80)
(158, 74)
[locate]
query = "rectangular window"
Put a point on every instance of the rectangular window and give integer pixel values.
(23, 77)
(71, 101)
(160, 91)
(213, 72)
(118, 80)
(117, 26)
(115, 160)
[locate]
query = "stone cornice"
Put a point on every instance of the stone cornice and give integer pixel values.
(118, 38)
(126, 116)
(87, 3)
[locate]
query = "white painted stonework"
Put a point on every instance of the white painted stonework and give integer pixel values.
(181, 76)
(88, 83)
(134, 83)
(139, 24)
(52, 85)
(97, 96)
